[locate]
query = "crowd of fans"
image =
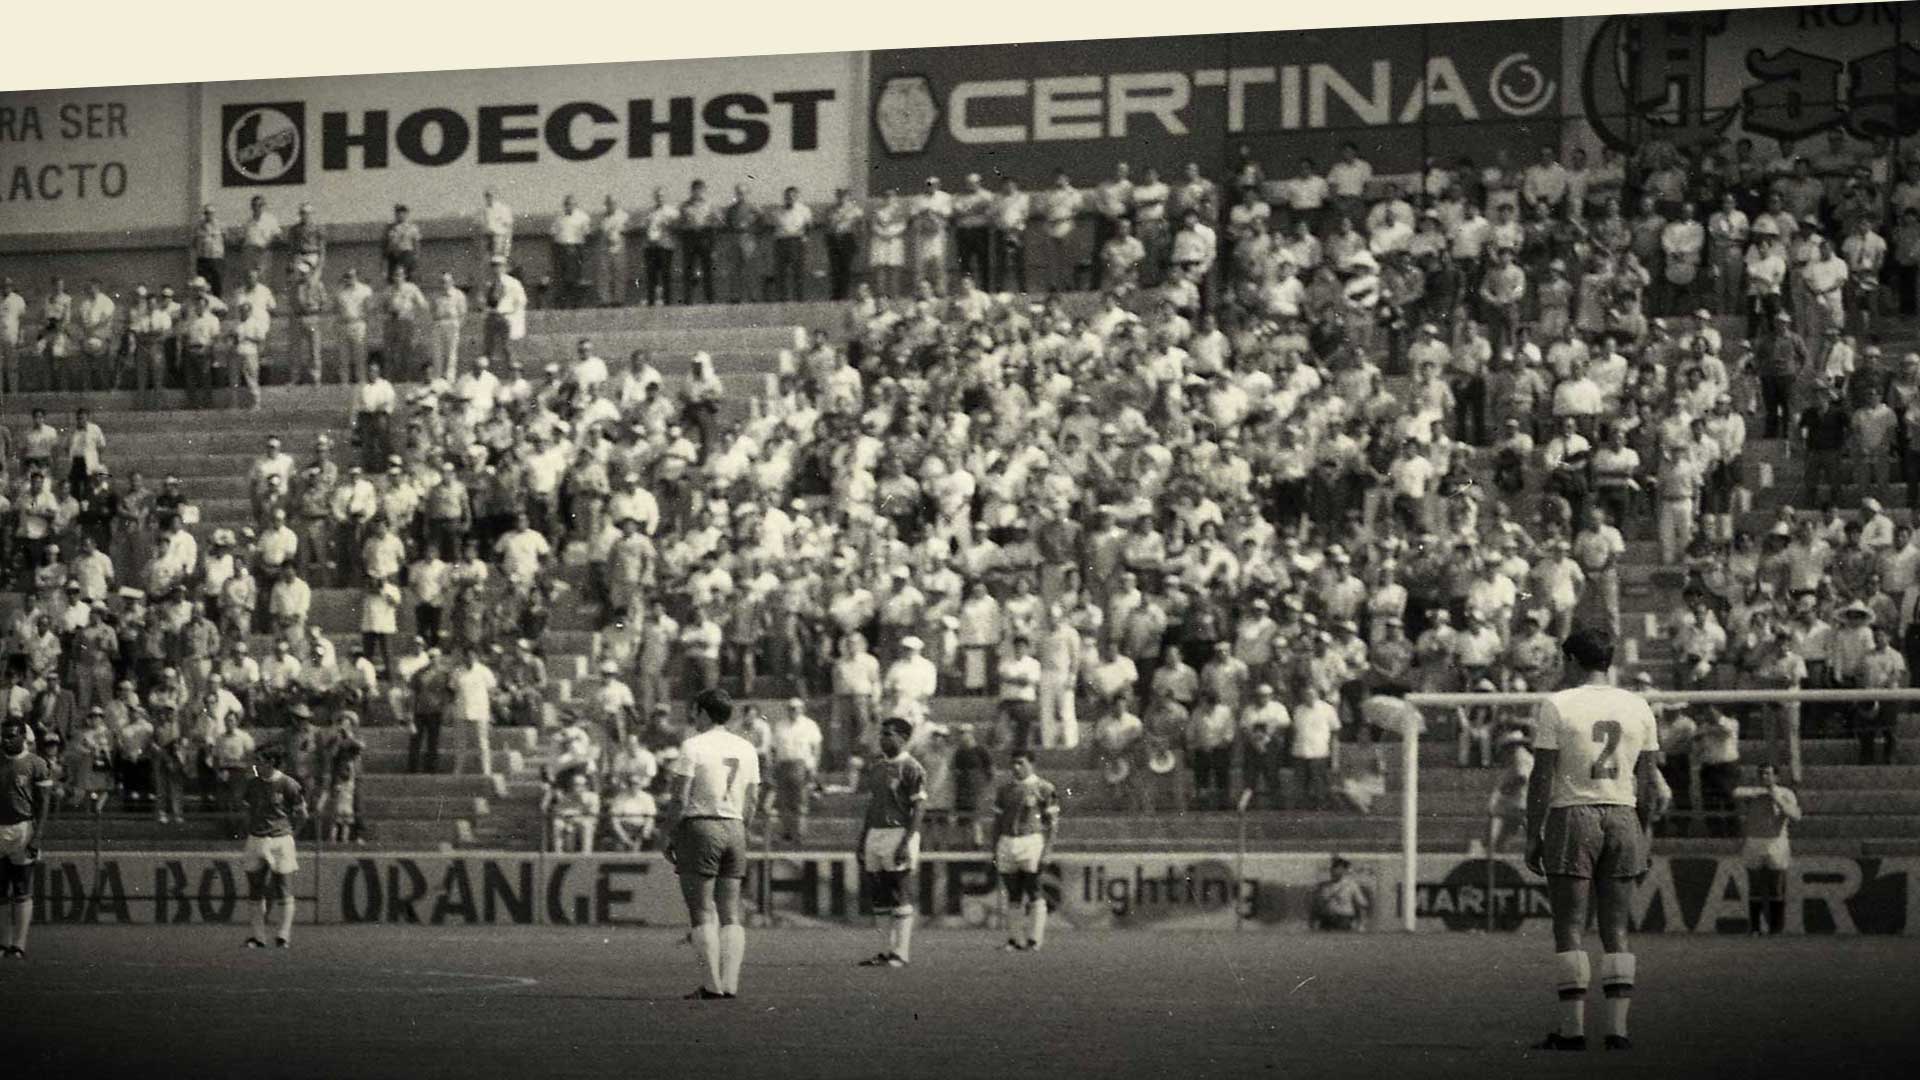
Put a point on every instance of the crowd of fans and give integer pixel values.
(1316, 436)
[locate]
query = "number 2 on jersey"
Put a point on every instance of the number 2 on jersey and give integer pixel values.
(1606, 767)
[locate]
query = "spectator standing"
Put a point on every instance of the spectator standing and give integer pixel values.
(506, 310)
(887, 244)
(1012, 210)
(350, 304)
(307, 240)
(474, 686)
(569, 232)
(932, 214)
(209, 249)
(1060, 209)
(796, 748)
(258, 235)
(845, 221)
(1316, 723)
(973, 217)
(743, 221)
(1717, 749)
(1767, 811)
(698, 222)
(660, 228)
(790, 224)
(403, 305)
(613, 277)
(400, 243)
(496, 228)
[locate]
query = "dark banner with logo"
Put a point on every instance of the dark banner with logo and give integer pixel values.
(1173, 891)
(1801, 80)
(1399, 93)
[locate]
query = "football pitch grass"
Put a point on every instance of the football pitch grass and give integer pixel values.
(416, 1002)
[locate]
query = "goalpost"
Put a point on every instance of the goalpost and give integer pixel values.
(1410, 746)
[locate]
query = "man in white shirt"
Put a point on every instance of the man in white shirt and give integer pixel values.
(613, 278)
(496, 228)
(910, 682)
(570, 229)
(506, 308)
(791, 223)
(350, 303)
(403, 304)
(716, 782)
(1347, 180)
(93, 317)
(13, 309)
(932, 211)
(473, 689)
(257, 237)
(796, 761)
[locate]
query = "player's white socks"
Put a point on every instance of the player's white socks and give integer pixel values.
(1616, 982)
(1037, 921)
(733, 950)
(706, 945)
(900, 935)
(260, 919)
(22, 919)
(287, 909)
(1573, 972)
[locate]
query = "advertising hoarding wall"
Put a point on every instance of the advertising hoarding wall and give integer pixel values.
(356, 145)
(1399, 93)
(98, 160)
(1153, 891)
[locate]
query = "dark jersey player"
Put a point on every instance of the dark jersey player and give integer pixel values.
(889, 847)
(1025, 810)
(26, 796)
(274, 802)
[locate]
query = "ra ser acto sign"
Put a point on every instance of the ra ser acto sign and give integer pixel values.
(83, 124)
(268, 143)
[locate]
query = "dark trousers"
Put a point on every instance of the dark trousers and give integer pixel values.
(1877, 724)
(975, 246)
(790, 268)
(423, 743)
(1776, 392)
(1716, 797)
(1470, 409)
(841, 250)
(1677, 769)
(1022, 716)
(1315, 783)
(426, 622)
(1212, 774)
(1009, 262)
(658, 275)
(404, 260)
(696, 265)
(569, 269)
(214, 270)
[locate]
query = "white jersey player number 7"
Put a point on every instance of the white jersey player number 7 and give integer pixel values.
(1600, 733)
(722, 766)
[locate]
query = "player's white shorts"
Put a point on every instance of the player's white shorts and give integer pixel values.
(277, 853)
(1016, 854)
(1766, 853)
(882, 844)
(14, 840)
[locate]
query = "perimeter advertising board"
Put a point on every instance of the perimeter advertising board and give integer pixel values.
(1398, 92)
(355, 145)
(1172, 891)
(94, 160)
(1787, 76)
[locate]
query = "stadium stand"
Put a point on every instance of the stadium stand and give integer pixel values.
(1337, 453)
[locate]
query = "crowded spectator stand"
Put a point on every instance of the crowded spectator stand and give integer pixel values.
(1305, 440)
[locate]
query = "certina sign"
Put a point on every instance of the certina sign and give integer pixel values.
(1021, 109)
(535, 135)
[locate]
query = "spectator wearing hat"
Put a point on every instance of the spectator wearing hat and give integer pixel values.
(258, 235)
(910, 683)
(403, 307)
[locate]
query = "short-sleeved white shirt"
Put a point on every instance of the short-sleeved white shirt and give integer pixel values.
(721, 764)
(1599, 733)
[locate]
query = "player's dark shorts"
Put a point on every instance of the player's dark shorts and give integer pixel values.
(711, 847)
(1594, 842)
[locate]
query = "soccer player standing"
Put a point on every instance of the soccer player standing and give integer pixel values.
(889, 847)
(1591, 796)
(716, 786)
(274, 802)
(26, 796)
(1025, 810)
